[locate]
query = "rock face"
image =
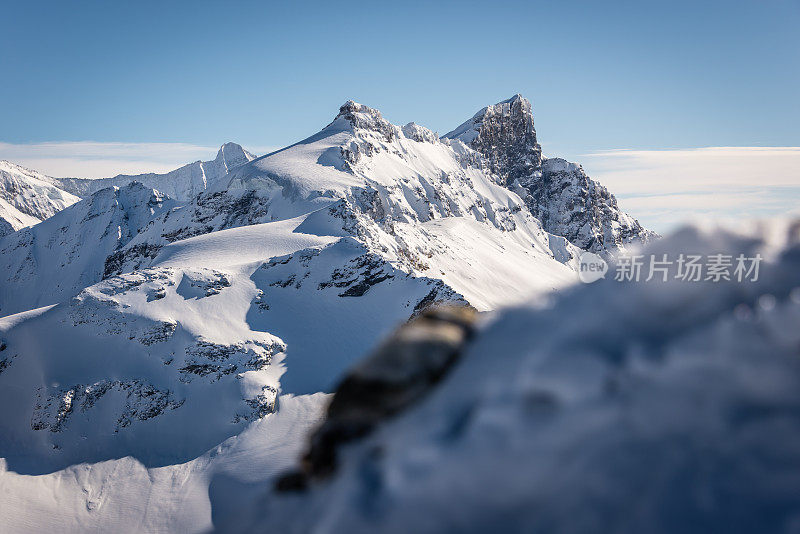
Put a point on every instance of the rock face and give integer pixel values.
(558, 193)
(505, 135)
(571, 204)
(28, 197)
(182, 184)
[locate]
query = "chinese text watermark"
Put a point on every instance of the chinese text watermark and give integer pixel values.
(681, 267)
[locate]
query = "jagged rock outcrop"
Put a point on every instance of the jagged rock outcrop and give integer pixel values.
(505, 135)
(571, 204)
(558, 193)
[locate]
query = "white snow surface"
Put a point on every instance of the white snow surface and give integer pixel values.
(125, 496)
(240, 246)
(54, 260)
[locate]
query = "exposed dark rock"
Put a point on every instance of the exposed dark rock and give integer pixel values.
(142, 401)
(137, 254)
(214, 360)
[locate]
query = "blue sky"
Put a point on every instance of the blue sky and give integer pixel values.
(627, 76)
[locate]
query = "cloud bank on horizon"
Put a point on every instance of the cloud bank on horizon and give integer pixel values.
(662, 188)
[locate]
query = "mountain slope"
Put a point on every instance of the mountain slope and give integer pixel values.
(181, 184)
(125, 496)
(57, 258)
(558, 193)
(28, 197)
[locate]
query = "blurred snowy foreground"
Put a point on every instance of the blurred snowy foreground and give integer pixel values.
(623, 407)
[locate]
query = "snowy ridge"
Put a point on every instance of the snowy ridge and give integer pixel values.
(181, 184)
(28, 197)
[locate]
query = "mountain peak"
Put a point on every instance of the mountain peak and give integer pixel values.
(512, 120)
(229, 150)
(351, 106)
(504, 133)
(358, 114)
(558, 193)
(518, 104)
(516, 98)
(231, 155)
(28, 197)
(364, 117)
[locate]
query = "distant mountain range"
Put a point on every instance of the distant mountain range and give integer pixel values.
(182, 184)
(28, 197)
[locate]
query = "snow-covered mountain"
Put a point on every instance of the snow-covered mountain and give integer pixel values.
(418, 202)
(28, 197)
(626, 407)
(211, 312)
(181, 184)
(176, 331)
(560, 194)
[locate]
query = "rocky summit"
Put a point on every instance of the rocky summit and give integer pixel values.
(558, 193)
